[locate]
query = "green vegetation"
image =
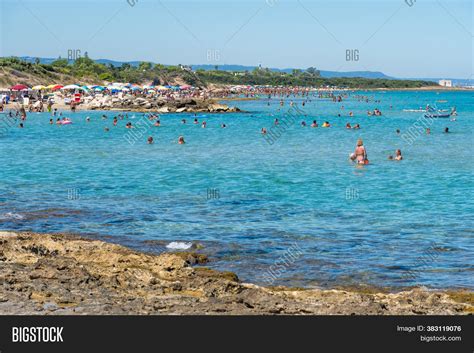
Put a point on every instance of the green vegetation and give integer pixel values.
(86, 69)
(310, 77)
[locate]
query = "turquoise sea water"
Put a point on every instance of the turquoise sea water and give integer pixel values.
(350, 225)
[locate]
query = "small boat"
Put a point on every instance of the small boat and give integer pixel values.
(437, 115)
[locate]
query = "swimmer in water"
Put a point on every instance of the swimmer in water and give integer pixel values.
(360, 152)
(356, 126)
(223, 126)
(50, 121)
(128, 125)
(88, 119)
(428, 131)
(326, 124)
(58, 121)
(314, 124)
(303, 123)
(398, 155)
(21, 126)
(150, 140)
(263, 131)
(348, 126)
(276, 122)
(446, 130)
(398, 131)
(203, 125)
(157, 123)
(181, 140)
(183, 121)
(115, 121)
(196, 121)
(106, 129)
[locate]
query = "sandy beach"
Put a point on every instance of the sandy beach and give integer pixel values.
(62, 274)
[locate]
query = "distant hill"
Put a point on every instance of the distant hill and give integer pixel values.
(230, 67)
(84, 70)
(324, 74)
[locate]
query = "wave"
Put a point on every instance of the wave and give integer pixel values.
(179, 245)
(11, 215)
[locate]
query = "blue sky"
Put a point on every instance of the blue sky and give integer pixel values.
(428, 39)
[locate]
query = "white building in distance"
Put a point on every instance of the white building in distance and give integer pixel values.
(445, 83)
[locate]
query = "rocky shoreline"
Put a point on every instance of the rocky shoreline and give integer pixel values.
(159, 105)
(59, 274)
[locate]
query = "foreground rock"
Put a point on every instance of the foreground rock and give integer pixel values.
(61, 274)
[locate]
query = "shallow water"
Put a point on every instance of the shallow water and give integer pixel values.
(343, 225)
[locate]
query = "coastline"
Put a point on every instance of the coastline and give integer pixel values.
(144, 105)
(61, 274)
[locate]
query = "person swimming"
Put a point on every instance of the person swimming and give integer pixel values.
(276, 122)
(348, 126)
(326, 124)
(183, 121)
(181, 140)
(361, 153)
(50, 121)
(196, 121)
(446, 130)
(88, 119)
(150, 140)
(428, 131)
(115, 121)
(398, 155)
(314, 124)
(157, 123)
(303, 123)
(203, 125)
(356, 127)
(223, 126)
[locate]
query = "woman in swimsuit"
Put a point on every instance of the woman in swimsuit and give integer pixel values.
(360, 152)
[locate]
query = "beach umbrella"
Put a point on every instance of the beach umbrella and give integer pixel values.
(57, 87)
(99, 89)
(85, 88)
(71, 87)
(19, 88)
(38, 87)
